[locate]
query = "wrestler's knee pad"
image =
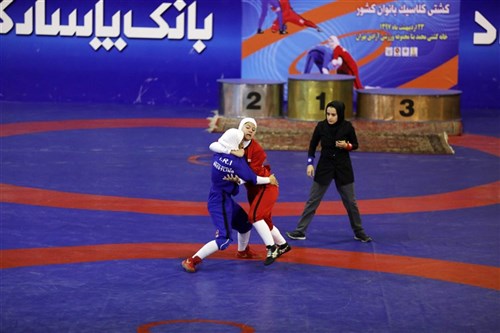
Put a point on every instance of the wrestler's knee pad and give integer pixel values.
(223, 243)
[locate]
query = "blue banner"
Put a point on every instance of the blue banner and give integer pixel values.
(148, 52)
(479, 77)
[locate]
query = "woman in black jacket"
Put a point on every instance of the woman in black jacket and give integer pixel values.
(338, 138)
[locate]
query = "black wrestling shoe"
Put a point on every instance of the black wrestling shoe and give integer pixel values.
(272, 254)
(296, 235)
(362, 237)
(283, 248)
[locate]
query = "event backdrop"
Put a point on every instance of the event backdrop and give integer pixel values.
(172, 53)
(394, 43)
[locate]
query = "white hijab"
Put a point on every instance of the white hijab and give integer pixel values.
(231, 138)
(333, 41)
(247, 120)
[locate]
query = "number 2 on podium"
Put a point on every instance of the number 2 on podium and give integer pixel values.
(254, 98)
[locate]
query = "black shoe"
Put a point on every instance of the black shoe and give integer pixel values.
(283, 248)
(296, 235)
(259, 31)
(272, 254)
(363, 238)
(283, 32)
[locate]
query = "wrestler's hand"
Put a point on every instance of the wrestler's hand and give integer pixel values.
(238, 152)
(273, 180)
(310, 171)
(232, 178)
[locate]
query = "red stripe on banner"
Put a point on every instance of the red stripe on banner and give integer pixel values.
(318, 15)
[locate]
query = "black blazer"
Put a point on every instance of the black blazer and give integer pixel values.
(334, 163)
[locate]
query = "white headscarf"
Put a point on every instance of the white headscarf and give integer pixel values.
(231, 138)
(246, 120)
(333, 41)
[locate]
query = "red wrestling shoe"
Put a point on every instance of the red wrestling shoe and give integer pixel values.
(189, 264)
(247, 254)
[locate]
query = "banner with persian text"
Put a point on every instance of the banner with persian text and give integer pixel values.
(387, 44)
(147, 52)
(479, 65)
(155, 52)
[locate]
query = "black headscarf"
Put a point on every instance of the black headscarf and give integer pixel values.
(340, 107)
